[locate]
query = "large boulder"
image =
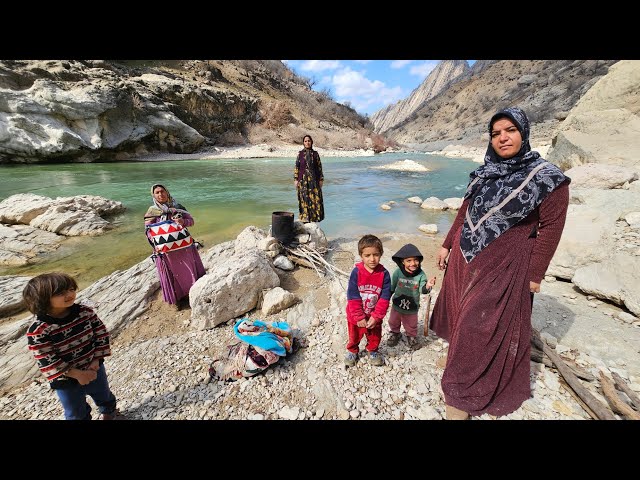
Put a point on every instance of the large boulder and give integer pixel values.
(230, 288)
(23, 245)
(604, 125)
(596, 175)
(11, 287)
(617, 280)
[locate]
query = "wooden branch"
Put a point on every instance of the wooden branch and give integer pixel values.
(616, 402)
(539, 357)
(625, 388)
(594, 404)
(299, 261)
(577, 398)
(332, 267)
(579, 371)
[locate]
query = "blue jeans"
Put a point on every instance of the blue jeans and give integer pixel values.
(74, 399)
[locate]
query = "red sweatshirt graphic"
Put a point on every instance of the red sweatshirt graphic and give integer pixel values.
(368, 293)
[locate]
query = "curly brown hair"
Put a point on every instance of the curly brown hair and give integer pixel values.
(38, 291)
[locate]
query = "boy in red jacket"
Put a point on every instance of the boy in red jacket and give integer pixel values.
(368, 298)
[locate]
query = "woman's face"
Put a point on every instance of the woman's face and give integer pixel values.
(505, 138)
(308, 143)
(160, 194)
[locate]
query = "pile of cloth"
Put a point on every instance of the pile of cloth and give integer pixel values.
(260, 344)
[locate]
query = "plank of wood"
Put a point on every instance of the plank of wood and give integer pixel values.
(620, 383)
(602, 412)
(615, 401)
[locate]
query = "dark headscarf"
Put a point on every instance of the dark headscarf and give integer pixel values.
(163, 209)
(502, 192)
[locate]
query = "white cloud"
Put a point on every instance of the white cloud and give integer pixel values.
(423, 69)
(319, 65)
(363, 62)
(400, 63)
(352, 86)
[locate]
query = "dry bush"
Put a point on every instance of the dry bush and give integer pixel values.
(378, 143)
(295, 134)
(275, 114)
(346, 140)
(259, 134)
(231, 139)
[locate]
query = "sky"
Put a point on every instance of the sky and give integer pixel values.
(366, 85)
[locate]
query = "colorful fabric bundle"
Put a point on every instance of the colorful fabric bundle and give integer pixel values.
(169, 236)
(262, 344)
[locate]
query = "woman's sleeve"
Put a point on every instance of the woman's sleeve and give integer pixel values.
(456, 223)
(297, 168)
(320, 174)
(553, 213)
(187, 220)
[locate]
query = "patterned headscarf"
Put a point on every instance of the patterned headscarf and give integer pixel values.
(503, 192)
(163, 209)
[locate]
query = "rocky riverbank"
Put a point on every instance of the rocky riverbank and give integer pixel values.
(159, 367)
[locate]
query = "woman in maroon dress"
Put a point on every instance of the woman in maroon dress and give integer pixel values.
(499, 248)
(177, 270)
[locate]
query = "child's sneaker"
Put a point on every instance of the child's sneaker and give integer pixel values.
(376, 358)
(413, 342)
(350, 358)
(393, 339)
(115, 415)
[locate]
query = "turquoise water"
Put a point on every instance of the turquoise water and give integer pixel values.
(226, 195)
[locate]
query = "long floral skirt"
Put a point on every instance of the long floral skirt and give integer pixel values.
(310, 202)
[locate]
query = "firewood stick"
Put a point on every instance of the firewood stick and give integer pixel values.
(299, 261)
(594, 404)
(578, 399)
(620, 383)
(539, 357)
(318, 257)
(616, 402)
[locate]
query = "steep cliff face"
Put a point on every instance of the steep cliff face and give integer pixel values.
(604, 126)
(83, 111)
(445, 72)
(546, 89)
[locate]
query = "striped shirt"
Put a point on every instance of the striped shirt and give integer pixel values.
(74, 341)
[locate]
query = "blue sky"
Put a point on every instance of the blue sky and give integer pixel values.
(368, 85)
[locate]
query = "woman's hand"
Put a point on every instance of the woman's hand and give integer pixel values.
(321, 182)
(295, 183)
(442, 258)
(534, 287)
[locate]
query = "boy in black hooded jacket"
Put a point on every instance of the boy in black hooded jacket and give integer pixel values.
(407, 283)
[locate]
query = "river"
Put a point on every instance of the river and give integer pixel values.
(226, 195)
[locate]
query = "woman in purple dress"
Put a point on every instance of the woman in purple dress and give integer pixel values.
(179, 269)
(499, 248)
